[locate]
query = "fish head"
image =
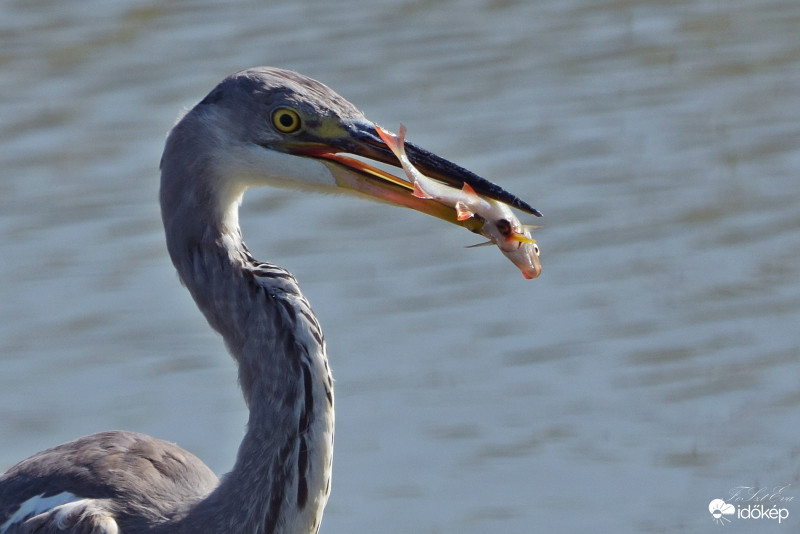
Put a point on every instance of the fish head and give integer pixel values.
(513, 239)
(525, 256)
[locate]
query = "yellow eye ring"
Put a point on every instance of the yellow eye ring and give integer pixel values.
(286, 120)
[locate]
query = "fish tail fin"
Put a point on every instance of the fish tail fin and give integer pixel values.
(395, 142)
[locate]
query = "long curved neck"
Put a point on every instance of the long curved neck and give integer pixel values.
(281, 479)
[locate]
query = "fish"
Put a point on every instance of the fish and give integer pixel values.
(500, 225)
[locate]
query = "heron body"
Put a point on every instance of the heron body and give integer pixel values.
(258, 127)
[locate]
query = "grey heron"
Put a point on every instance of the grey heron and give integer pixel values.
(262, 126)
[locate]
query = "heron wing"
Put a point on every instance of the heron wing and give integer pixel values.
(84, 516)
(123, 477)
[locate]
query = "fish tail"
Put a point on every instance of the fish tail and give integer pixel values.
(396, 143)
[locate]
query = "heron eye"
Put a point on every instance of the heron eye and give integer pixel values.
(286, 120)
(504, 227)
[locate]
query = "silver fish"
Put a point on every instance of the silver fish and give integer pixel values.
(501, 226)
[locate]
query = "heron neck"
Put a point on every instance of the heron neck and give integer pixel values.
(281, 478)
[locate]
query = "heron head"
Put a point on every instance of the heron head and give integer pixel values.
(269, 126)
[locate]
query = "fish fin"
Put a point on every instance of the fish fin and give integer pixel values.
(522, 238)
(388, 137)
(463, 212)
(420, 193)
(395, 142)
(484, 244)
(468, 189)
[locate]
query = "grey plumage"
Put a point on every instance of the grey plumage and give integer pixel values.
(281, 478)
(100, 467)
(262, 126)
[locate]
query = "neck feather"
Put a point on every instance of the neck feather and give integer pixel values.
(281, 479)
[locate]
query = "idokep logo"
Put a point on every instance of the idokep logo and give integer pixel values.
(748, 502)
(719, 509)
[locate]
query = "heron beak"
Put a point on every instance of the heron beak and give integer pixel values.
(359, 138)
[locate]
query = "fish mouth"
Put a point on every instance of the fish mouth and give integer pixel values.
(359, 138)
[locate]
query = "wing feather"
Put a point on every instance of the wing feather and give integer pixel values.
(84, 516)
(107, 482)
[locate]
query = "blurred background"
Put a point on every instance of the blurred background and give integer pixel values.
(653, 366)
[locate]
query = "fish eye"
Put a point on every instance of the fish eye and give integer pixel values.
(536, 249)
(286, 120)
(504, 227)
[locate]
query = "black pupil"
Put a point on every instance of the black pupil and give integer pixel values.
(286, 120)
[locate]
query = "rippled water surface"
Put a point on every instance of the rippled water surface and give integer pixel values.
(653, 366)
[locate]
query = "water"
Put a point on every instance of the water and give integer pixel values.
(653, 366)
